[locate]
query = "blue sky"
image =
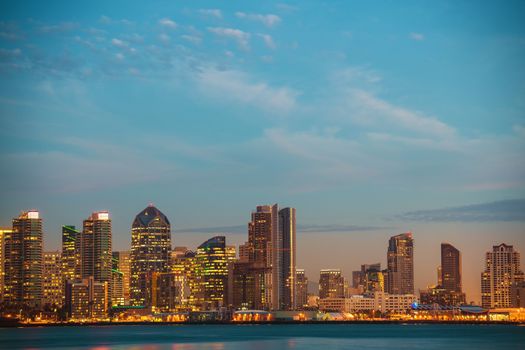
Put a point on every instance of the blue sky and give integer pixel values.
(371, 118)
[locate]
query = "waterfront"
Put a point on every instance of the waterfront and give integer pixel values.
(293, 336)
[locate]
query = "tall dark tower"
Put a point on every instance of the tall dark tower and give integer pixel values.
(95, 247)
(23, 261)
(450, 268)
(150, 252)
(285, 264)
(400, 260)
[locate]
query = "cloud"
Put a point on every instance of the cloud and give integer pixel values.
(417, 36)
(168, 23)
(211, 12)
(192, 39)
(107, 20)
(59, 28)
(519, 130)
(268, 41)
(268, 20)
(238, 35)
(237, 86)
(375, 109)
(504, 210)
(119, 43)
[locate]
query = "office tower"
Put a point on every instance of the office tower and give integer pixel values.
(261, 229)
(87, 300)
(517, 294)
(71, 243)
(246, 286)
(183, 264)
(150, 251)
(400, 264)
(502, 271)
(374, 281)
(331, 284)
(52, 287)
(450, 268)
(168, 291)
(301, 291)
(96, 247)
(23, 261)
(212, 263)
(356, 279)
(244, 252)
(121, 274)
(439, 276)
(3, 233)
(284, 261)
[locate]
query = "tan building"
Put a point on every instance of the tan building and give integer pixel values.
(502, 272)
(301, 289)
(53, 291)
(400, 264)
(87, 300)
(120, 278)
(379, 301)
(331, 284)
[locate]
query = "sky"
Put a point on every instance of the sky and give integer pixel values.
(371, 118)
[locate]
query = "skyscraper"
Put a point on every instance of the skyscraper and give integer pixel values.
(262, 228)
(400, 264)
(70, 253)
(3, 233)
(95, 248)
(121, 263)
(301, 292)
(52, 288)
(331, 284)
(450, 268)
(212, 263)
(502, 272)
(150, 252)
(23, 261)
(284, 264)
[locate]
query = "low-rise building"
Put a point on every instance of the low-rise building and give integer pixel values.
(379, 301)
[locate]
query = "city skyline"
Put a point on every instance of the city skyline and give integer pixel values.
(105, 216)
(371, 119)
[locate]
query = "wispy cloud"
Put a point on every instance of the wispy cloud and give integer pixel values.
(59, 28)
(504, 210)
(211, 12)
(238, 35)
(243, 229)
(417, 36)
(233, 85)
(268, 20)
(268, 41)
(168, 23)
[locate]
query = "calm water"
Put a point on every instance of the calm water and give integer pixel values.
(254, 337)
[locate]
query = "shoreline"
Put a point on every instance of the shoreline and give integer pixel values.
(349, 322)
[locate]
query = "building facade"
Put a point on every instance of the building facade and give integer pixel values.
(71, 253)
(301, 291)
(121, 270)
(331, 284)
(378, 301)
(23, 261)
(150, 252)
(86, 300)
(95, 248)
(52, 287)
(3, 233)
(450, 268)
(400, 264)
(502, 272)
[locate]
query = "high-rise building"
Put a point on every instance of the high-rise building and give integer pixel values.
(301, 292)
(212, 262)
(450, 268)
(502, 271)
(120, 277)
(87, 300)
(244, 252)
(71, 244)
(400, 264)
(95, 248)
(183, 264)
(331, 284)
(52, 287)
(150, 252)
(168, 291)
(3, 233)
(23, 261)
(284, 261)
(246, 286)
(261, 229)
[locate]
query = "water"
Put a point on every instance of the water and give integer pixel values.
(263, 337)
